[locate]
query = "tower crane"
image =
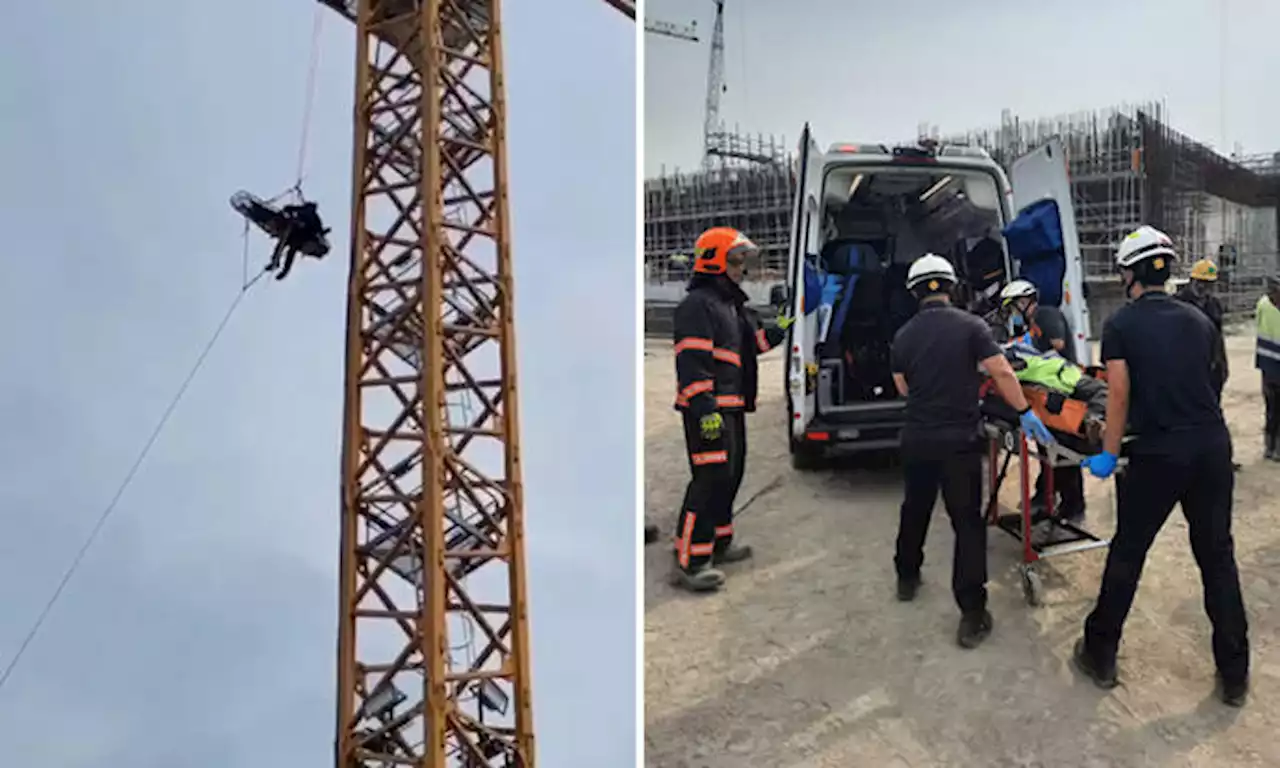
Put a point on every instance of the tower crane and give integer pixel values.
(687, 32)
(715, 87)
(432, 507)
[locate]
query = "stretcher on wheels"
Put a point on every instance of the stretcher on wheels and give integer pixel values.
(1042, 532)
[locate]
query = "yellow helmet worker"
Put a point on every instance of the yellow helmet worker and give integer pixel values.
(1204, 271)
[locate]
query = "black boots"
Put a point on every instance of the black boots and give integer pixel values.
(907, 588)
(1103, 674)
(974, 627)
(1233, 694)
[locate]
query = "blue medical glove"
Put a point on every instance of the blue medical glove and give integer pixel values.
(1035, 429)
(1101, 465)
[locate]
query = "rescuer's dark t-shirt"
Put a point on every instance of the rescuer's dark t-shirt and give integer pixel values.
(1167, 346)
(938, 352)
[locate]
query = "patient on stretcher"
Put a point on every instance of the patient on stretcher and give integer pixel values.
(1065, 396)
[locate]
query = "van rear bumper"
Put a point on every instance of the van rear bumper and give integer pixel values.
(872, 427)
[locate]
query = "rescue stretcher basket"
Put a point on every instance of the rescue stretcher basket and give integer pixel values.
(1043, 534)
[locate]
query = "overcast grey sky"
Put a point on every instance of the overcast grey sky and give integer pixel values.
(200, 630)
(874, 71)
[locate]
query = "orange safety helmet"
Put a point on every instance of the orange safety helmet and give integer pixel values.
(711, 251)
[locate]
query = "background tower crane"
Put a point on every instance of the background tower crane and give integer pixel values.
(432, 499)
(715, 87)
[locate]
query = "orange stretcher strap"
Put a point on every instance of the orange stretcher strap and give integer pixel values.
(1069, 420)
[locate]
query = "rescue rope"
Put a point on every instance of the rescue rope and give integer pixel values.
(310, 97)
(106, 513)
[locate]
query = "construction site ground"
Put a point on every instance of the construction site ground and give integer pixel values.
(806, 658)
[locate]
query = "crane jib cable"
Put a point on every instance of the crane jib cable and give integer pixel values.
(106, 513)
(310, 97)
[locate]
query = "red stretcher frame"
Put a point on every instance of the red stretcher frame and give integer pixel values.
(1064, 537)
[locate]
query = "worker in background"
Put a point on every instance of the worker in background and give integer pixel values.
(935, 362)
(1198, 292)
(1268, 362)
(1048, 331)
(1157, 352)
(717, 340)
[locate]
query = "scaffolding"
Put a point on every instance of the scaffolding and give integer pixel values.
(748, 187)
(1129, 167)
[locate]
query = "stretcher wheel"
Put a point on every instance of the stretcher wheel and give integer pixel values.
(1032, 587)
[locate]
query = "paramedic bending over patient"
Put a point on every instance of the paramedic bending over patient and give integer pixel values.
(935, 366)
(1158, 353)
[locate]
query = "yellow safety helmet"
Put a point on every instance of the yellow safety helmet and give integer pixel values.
(1204, 270)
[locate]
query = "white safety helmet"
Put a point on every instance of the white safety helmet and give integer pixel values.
(1142, 244)
(1018, 289)
(930, 267)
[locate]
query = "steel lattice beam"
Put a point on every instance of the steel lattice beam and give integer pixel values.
(432, 520)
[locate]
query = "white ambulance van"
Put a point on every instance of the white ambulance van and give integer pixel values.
(863, 213)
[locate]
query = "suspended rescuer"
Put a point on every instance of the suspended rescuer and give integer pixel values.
(1158, 355)
(935, 362)
(1048, 331)
(1268, 362)
(717, 340)
(304, 232)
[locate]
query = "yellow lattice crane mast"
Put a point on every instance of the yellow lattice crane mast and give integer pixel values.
(433, 639)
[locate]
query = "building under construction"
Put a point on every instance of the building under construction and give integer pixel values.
(1128, 166)
(746, 185)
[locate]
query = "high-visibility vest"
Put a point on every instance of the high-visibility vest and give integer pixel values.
(1268, 357)
(1047, 369)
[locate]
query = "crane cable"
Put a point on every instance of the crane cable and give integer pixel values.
(310, 97)
(124, 485)
(245, 285)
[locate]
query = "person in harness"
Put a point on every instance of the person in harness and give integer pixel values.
(1053, 372)
(717, 340)
(1046, 329)
(304, 232)
(296, 228)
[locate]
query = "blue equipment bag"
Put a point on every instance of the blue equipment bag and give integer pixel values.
(1035, 242)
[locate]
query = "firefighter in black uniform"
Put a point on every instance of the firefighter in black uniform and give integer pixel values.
(1158, 353)
(717, 340)
(935, 366)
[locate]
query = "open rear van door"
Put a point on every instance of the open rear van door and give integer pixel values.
(805, 231)
(1040, 176)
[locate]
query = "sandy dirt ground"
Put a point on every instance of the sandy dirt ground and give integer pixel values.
(806, 659)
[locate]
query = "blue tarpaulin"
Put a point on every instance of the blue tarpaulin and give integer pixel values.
(1035, 242)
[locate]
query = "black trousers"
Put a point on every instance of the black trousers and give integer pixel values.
(705, 523)
(1146, 494)
(1068, 485)
(1271, 396)
(957, 472)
